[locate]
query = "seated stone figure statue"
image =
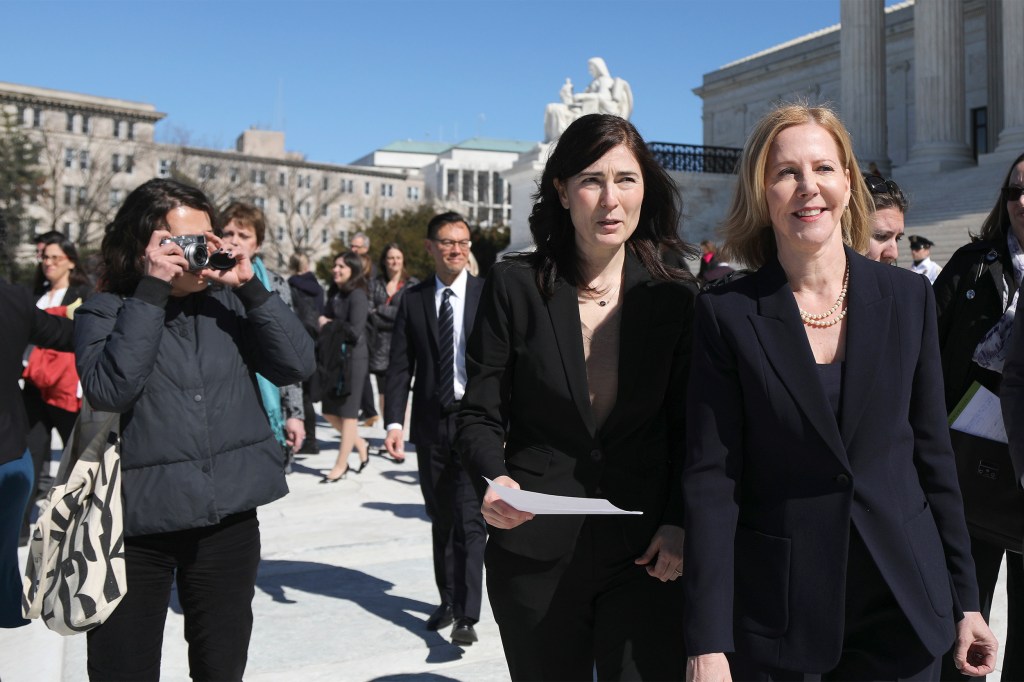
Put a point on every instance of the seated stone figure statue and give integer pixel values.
(604, 95)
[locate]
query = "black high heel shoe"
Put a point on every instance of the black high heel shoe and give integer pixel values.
(328, 479)
(362, 465)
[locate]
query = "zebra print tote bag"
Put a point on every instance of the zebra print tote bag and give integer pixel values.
(75, 574)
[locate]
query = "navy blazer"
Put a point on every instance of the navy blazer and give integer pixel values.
(526, 413)
(773, 483)
(414, 353)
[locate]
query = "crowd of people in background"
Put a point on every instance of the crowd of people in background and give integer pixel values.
(780, 400)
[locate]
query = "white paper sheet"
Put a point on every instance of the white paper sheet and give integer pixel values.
(979, 414)
(539, 503)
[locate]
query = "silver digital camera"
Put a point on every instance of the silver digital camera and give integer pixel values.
(198, 255)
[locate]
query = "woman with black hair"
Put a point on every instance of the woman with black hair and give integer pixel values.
(577, 368)
(173, 347)
(344, 322)
(977, 294)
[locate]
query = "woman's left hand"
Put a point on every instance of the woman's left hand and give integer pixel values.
(666, 553)
(974, 653)
(236, 276)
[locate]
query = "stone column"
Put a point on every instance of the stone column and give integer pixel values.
(1011, 138)
(940, 110)
(994, 69)
(862, 78)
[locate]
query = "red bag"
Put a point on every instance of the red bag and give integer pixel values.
(54, 374)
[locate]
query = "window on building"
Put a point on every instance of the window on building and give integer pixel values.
(325, 183)
(86, 124)
(71, 122)
(207, 171)
(324, 209)
(467, 185)
(323, 236)
(366, 189)
(366, 213)
(69, 195)
(83, 197)
(453, 185)
(306, 207)
(282, 179)
(69, 157)
(164, 168)
(387, 189)
(116, 163)
(234, 175)
(280, 233)
(129, 163)
(499, 191)
(412, 193)
(979, 131)
(349, 186)
(257, 177)
(37, 118)
(280, 206)
(481, 186)
(116, 197)
(83, 159)
(260, 203)
(131, 130)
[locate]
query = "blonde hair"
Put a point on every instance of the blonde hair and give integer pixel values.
(747, 230)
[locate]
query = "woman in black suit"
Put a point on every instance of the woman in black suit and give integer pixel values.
(577, 372)
(345, 317)
(825, 529)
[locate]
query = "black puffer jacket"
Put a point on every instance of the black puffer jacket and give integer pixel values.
(196, 444)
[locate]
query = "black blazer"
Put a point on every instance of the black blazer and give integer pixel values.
(414, 353)
(526, 413)
(773, 484)
(23, 324)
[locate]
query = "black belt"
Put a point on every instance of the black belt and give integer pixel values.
(451, 408)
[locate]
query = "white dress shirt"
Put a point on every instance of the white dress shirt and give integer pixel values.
(458, 301)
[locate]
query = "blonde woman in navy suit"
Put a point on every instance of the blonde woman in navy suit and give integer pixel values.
(825, 536)
(577, 377)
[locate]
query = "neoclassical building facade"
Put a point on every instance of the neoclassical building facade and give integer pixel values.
(932, 83)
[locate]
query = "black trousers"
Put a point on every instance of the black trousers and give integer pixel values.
(879, 643)
(987, 559)
(310, 414)
(593, 607)
(42, 419)
(457, 527)
(215, 569)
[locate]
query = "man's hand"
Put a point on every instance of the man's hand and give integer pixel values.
(294, 432)
(708, 668)
(975, 650)
(236, 276)
(666, 550)
(499, 513)
(395, 445)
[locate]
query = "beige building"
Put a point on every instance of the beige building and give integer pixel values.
(97, 149)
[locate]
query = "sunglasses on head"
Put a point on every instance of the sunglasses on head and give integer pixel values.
(877, 185)
(1013, 193)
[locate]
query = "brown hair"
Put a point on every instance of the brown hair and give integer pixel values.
(246, 215)
(997, 223)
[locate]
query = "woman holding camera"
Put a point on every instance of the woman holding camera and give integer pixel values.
(173, 346)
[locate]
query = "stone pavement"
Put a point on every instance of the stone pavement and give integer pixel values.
(344, 588)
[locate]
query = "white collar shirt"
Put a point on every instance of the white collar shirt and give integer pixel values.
(458, 301)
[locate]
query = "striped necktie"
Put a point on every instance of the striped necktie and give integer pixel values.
(446, 337)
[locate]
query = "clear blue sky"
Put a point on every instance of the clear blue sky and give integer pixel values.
(344, 77)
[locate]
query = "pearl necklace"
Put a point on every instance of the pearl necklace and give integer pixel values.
(819, 319)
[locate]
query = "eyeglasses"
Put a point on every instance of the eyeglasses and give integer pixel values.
(55, 259)
(879, 185)
(1013, 193)
(449, 244)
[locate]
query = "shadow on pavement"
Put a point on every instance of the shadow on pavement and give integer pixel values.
(366, 591)
(402, 511)
(415, 677)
